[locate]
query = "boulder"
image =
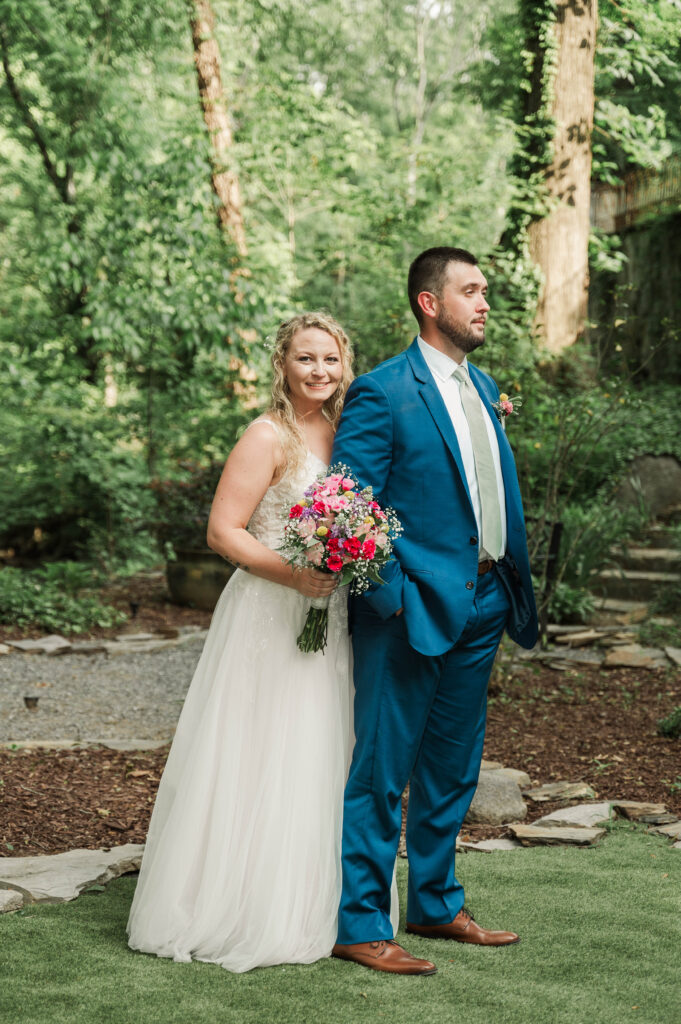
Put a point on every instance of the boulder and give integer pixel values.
(521, 778)
(10, 901)
(63, 876)
(497, 800)
(653, 479)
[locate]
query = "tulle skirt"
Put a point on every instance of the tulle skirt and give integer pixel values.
(242, 862)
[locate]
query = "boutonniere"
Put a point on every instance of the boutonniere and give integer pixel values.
(506, 406)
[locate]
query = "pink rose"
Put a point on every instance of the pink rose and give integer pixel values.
(347, 484)
(507, 407)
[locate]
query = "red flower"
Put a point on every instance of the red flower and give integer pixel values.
(369, 548)
(334, 563)
(353, 546)
(296, 512)
(320, 507)
(333, 544)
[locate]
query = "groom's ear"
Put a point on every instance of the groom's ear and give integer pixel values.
(428, 303)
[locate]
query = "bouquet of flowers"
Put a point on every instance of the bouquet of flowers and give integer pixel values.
(337, 528)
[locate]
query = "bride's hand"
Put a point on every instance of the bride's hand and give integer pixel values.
(313, 583)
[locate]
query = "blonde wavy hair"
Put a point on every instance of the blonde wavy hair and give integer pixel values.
(281, 408)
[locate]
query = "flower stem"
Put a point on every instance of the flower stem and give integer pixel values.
(313, 637)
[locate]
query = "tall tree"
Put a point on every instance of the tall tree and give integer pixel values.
(560, 44)
(216, 115)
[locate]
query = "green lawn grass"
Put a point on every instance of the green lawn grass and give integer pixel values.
(601, 944)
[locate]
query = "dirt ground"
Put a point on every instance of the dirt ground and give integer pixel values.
(588, 725)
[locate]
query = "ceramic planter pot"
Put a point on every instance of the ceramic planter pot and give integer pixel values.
(197, 577)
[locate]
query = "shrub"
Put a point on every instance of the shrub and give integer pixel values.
(184, 506)
(56, 597)
(671, 725)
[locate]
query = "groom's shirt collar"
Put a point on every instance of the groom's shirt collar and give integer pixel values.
(440, 365)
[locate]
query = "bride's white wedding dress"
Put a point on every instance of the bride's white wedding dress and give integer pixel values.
(242, 862)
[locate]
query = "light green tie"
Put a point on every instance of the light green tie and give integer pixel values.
(490, 542)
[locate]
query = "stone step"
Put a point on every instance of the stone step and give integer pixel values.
(660, 536)
(632, 584)
(611, 611)
(648, 559)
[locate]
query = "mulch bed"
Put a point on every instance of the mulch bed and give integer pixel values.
(593, 726)
(588, 725)
(56, 800)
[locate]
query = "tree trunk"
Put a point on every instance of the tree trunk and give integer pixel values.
(208, 63)
(559, 241)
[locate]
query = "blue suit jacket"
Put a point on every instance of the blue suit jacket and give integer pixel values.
(396, 434)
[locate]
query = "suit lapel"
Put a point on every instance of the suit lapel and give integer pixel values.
(436, 407)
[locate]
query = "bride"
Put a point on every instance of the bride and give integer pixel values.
(242, 862)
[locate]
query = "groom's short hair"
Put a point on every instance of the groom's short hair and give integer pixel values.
(428, 271)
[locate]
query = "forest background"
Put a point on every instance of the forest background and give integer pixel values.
(145, 260)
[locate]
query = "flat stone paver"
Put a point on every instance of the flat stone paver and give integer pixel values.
(535, 835)
(671, 831)
(61, 877)
(583, 815)
(492, 845)
(636, 810)
(560, 791)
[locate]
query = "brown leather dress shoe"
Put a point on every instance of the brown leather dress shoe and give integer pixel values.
(383, 955)
(464, 929)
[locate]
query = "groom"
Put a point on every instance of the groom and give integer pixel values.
(423, 428)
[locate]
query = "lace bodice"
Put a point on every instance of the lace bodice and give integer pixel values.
(266, 523)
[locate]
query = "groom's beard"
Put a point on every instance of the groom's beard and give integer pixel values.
(458, 333)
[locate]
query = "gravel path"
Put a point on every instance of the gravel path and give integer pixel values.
(83, 697)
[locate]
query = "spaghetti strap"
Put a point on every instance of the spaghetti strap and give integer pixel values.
(263, 419)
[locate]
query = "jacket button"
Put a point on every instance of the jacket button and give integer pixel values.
(472, 540)
(469, 584)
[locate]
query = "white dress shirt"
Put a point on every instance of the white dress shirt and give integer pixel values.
(442, 369)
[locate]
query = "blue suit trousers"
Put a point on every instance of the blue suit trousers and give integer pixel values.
(418, 719)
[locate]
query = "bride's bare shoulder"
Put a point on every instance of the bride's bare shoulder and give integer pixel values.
(261, 444)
